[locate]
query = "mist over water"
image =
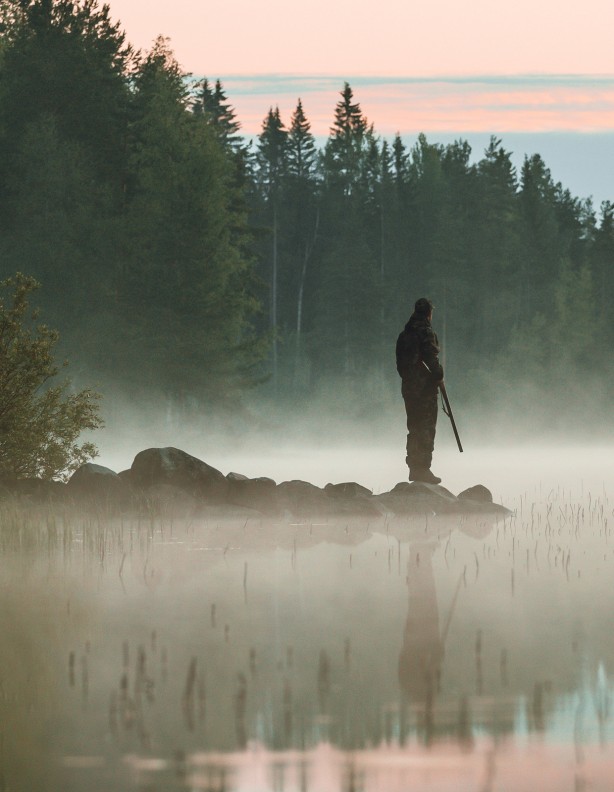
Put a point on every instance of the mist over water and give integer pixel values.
(514, 454)
(413, 653)
(153, 652)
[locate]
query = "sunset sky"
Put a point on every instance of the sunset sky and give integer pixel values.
(542, 70)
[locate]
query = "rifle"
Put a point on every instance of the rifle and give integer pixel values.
(447, 409)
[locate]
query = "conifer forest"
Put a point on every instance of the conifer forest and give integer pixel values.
(179, 257)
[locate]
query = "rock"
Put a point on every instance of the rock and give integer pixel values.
(358, 506)
(167, 501)
(478, 500)
(257, 493)
(348, 490)
(430, 490)
(236, 477)
(417, 497)
(156, 466)
(478, 493)
(401, 488)
(98, 482)
(303, 499)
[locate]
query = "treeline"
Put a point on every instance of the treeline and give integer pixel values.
(178, 257)
(520, 270)
(125, 204)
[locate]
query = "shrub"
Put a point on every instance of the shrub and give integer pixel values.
(40, 422)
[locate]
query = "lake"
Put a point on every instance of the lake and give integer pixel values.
(426, 653)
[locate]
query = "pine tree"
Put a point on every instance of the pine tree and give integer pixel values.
(185, 283)
(495, 233)
(68, 61)
(64, 98)
(345, 334)
(272, 167)
(345, 146)
(212, 104)
(301, 152)
(301, 221)
(603, 267)
(543, 252)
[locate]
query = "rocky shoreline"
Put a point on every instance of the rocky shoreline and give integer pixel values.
(174, 482)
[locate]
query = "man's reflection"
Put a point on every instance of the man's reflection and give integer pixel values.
(424, 638)
(422, 653)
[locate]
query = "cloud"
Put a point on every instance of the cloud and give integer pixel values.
(528, 103)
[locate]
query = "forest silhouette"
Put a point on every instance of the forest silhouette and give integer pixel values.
(178, 257)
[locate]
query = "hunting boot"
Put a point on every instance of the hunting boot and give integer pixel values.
(424, 475)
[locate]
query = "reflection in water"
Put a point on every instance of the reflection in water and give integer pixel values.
(389, 656)
(423, 646)
(424, 641)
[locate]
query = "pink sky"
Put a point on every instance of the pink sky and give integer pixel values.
(457, 41)
(493, 105)
(396, 37)
(533, 764)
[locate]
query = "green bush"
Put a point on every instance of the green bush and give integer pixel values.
(40, 422)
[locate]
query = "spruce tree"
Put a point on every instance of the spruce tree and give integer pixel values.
(184, 286)
(65, 60)
(301, 213)
(346, 318)
(345, 146)
(213, 105)
(272, 167)
(603, 267)
(301, 146)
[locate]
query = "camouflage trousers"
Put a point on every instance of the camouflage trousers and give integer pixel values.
(421, 409)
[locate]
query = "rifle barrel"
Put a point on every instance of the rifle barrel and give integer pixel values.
(448, 411)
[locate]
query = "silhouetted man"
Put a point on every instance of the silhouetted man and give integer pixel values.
(421, 373)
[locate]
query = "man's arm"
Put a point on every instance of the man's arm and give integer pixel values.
(429, 348)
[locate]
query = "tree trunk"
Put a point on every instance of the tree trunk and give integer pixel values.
(274, 301)
(301, 292)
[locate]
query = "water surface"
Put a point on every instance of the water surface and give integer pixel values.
(424, 653)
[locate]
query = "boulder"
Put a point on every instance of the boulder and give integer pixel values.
(303, 499)
(236, 477)
(417, 497)
(358, 506)
(353, 500)
(478, 493)
(347, 491)
(257, 493)
(478, 500)
(157, 466)
(97, 482)
(168, 501)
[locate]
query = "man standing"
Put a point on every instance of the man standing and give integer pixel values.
(421, 373)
